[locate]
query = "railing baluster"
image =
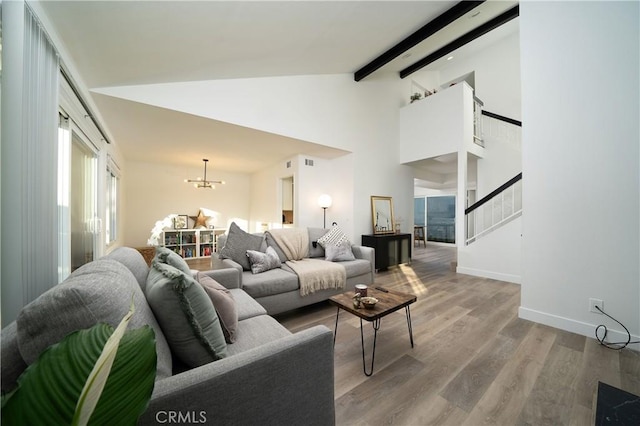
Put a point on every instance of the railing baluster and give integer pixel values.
(501, 205)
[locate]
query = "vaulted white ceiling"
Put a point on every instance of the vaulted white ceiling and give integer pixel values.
(120, 43)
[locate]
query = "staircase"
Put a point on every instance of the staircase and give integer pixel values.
(498, 208)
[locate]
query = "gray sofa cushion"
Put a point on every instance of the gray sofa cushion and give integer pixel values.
(272, 243)
(257, 331)
(99, 291)
(271, 282)
(186, 314)
(246, 305)
(134, 261)
(356, 267)
(11, 363)
(237, 243)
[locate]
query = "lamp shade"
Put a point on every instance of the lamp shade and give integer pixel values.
(324, 201)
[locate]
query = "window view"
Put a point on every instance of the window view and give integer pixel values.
(419, 212)
(438, 214)
(112, 205)
(82, 203)
(441, 219)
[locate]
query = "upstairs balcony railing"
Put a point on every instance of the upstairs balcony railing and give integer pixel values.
(494, 210)
(478, 138)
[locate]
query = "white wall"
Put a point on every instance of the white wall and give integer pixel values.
(333, 110)
(309, 183)
(153, 191)
(502, 158)
(266, 195)
(497, 74)
(580, 86)
(496, 255)
(433, 126)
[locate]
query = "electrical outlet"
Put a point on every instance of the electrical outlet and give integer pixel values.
(596, 302)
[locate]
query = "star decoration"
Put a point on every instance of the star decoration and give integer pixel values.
(200, 220)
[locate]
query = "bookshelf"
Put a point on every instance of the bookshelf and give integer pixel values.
(190, 243)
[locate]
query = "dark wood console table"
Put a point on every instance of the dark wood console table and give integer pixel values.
(391, 249)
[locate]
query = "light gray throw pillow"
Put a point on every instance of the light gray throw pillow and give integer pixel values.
(261, 262)
(186, 315)
(339, 253)
(237, 244)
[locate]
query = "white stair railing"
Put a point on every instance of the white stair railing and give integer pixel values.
(496, 209)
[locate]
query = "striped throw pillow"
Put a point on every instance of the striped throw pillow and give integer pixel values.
(335, 237)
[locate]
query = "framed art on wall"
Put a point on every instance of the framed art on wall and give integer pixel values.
(181, 221)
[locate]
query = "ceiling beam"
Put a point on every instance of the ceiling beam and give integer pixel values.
(417, 37)
(461, 41)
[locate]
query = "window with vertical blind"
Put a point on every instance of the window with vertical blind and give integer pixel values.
(29, 130)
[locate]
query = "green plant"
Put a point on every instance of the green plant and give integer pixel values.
(97, 376)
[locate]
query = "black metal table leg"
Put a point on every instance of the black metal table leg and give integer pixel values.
(407, 310)
(376, 327)
(335, 329)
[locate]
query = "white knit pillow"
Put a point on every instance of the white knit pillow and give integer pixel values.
(335, 236)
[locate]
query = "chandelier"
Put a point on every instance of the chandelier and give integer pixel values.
(203, 182)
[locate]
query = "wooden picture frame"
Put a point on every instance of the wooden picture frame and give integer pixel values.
(181, 221)
(382, 215)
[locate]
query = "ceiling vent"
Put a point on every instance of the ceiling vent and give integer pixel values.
(308, 162)
(288, 164)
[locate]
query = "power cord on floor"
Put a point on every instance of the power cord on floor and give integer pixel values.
(612, 345)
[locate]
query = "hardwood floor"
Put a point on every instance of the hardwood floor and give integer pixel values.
(474, 361)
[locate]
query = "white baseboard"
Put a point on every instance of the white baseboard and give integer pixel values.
(573, 326)
(516, 279)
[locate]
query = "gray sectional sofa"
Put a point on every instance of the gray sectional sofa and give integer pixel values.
(278, 289)
(268, 377)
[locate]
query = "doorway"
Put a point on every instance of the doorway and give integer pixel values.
(287, 201)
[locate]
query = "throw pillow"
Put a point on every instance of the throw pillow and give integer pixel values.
(224, 305)
(339, 253)
(170, 257)
(335, 236)
(186, 315)
(237, 244)
(261, 262)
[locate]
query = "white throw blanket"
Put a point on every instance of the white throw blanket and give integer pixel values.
(294, 242)
(317, 274)
(313, 274)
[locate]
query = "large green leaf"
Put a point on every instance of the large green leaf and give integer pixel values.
(97, 379)
(49, 389)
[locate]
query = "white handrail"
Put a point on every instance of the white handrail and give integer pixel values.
(503, 208)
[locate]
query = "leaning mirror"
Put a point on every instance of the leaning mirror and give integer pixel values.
(382, 215)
